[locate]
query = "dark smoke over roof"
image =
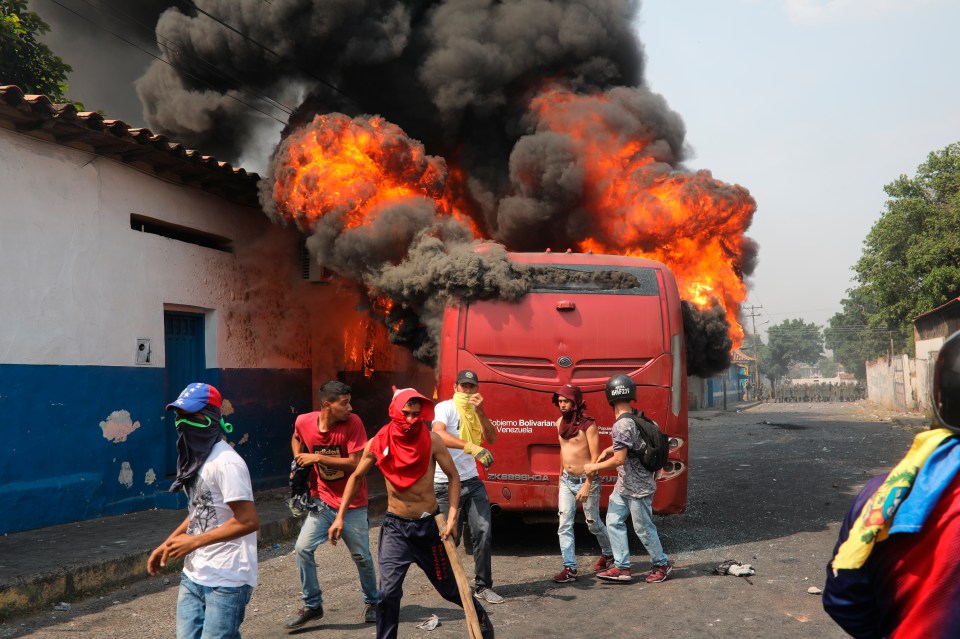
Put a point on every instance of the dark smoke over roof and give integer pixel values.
(449, 73)
(457, 76)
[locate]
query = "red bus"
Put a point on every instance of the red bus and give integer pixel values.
(525, 350)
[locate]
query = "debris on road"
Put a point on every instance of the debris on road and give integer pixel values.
(735, 568)
(430, 623)
(813, 590)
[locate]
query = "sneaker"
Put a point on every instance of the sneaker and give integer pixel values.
(370, 613)
(303, 616)
(605, 561)
(615, 574)
(659, 573)
(565, 575)
(485, 594)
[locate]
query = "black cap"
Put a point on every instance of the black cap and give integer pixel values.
(467, 377)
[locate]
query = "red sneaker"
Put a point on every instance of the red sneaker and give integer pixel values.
(659, 573)
(605, 561)
(621, 575)
(565, 575)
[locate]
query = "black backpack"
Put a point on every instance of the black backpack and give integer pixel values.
(651, 446)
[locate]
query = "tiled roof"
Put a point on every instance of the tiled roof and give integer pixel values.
(740, 356)
(87, 130)
(937, 310)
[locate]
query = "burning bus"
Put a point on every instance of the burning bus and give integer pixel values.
(577, 331)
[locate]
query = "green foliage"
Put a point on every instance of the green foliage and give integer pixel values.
(24, 61)
(910, 264)
(792, 342)
(850, 336)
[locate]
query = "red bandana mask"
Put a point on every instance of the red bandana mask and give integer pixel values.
(573, 420)
(402, 448)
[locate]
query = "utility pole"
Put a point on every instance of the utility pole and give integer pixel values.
(756, 350)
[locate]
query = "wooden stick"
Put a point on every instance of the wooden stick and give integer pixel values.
(466, 593)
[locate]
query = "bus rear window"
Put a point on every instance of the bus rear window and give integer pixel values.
(594, 278)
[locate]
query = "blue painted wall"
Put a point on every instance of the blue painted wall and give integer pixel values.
(57, 467)
(714, 395)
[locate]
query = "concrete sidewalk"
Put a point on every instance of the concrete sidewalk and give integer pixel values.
(43, 567)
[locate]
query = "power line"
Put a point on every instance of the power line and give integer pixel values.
(161, 59)
(130, 20)
(272, 52)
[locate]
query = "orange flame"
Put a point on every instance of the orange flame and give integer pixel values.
(641, 207)
(350, 167)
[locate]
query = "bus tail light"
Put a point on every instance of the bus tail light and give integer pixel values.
(672, 469)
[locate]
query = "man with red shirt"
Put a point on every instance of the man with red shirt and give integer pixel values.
(331, 440)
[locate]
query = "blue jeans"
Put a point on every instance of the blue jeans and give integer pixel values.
(356, 535)
(210, 612)
(570, 485)
(474, 502)
(641, 510)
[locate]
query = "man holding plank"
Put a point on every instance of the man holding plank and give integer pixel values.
(407, 454)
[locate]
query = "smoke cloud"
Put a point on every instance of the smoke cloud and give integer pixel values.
(498, 116)
(707, 339)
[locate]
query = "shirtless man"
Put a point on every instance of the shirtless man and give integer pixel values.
(579, 445)
(407, 454)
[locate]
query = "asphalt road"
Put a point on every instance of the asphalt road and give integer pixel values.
(768, 487)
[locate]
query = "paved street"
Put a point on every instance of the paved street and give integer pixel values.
(768, 487)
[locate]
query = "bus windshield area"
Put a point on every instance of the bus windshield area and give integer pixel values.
(594, 278)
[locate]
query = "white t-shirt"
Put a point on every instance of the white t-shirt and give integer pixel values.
(446, 412)
(223, 478)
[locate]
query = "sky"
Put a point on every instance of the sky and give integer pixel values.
(813, 105)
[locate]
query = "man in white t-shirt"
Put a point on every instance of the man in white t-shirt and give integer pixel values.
(218, 538)
(463, 426)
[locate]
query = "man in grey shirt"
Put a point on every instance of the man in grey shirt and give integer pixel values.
(633, 493)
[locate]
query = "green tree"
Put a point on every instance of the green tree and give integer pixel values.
(850, 336)
(910, 263)
(24, 61)
(792, 342)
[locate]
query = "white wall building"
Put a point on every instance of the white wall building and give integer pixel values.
(131, 267)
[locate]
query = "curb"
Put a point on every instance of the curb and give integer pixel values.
(25, 594)
(68, 583)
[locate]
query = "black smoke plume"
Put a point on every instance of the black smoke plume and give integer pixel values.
(708, 342)
(459, 76)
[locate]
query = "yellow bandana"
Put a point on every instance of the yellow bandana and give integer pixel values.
(873, 523)
(470, 430)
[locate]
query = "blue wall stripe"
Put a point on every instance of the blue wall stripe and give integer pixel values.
(57, 467)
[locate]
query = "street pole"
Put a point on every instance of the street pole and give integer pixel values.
(756, 352)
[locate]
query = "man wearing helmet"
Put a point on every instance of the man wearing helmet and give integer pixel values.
(896, 566)
(579, 444)
(633, 493)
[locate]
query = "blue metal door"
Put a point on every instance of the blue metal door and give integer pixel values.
(186, 363)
